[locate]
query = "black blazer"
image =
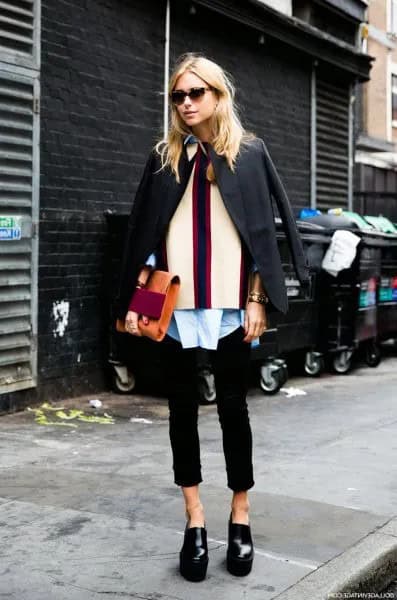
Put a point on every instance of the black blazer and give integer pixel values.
(247, 193)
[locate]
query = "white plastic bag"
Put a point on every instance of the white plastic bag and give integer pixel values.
(341, 252)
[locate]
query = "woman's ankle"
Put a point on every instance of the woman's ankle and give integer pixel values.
(240, 508)
(195, 514)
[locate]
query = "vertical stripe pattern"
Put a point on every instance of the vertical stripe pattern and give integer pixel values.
(201, 213)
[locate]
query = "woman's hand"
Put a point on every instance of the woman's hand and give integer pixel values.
(255, 322)
(131, 323)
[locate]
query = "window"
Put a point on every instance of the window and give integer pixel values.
(394, 100)
(393, 17)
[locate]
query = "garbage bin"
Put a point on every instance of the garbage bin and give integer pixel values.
(297, 331)
(348, 307)
(387, 290)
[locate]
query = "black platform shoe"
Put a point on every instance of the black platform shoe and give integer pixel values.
(240, 549)
(193, 558)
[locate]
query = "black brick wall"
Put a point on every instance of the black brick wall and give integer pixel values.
(101, 110)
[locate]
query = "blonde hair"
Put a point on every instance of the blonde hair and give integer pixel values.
(227, 130)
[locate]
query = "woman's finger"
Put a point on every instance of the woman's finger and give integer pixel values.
(250, 332)
(131, 323)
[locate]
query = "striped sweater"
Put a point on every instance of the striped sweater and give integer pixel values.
(203, 246)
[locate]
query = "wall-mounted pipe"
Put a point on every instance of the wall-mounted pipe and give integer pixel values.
(166, 65)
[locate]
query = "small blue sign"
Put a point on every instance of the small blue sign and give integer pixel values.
(10, 233)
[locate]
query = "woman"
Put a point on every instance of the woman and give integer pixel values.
(203, 210)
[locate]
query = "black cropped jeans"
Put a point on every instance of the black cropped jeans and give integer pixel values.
(230, 364)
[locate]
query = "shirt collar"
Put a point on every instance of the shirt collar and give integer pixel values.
(191, 143)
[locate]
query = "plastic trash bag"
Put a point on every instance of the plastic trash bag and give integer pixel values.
(341, 252)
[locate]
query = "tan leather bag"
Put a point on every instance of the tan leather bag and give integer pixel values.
(157, 301)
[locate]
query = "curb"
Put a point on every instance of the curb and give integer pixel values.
(368, 566)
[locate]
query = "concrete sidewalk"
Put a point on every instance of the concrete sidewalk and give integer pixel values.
(91, 511)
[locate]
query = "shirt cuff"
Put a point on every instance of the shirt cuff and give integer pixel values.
(151, 260)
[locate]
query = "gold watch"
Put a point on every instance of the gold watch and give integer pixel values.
(258, 297)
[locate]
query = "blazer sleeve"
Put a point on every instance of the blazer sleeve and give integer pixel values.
(125, 285)
(279, 194)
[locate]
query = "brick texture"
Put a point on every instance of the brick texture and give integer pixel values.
(101, 110)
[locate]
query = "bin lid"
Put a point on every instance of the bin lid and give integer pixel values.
(358, 219)
(381, 224)
(309, 227)
(333, 222)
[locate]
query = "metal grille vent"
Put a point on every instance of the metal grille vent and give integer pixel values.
(16, 166)
(332, 159)
(16, 26)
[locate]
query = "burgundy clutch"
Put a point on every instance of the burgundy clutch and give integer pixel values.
(157, 301)
(146, 302)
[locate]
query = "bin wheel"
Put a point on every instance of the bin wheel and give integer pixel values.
(123, 387)
(314, 364)
(372, 353)
(342, 362)
(207, 387)
(272, 377)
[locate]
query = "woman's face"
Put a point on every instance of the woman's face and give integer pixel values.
(195, 111)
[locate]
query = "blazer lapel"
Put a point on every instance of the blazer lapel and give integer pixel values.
(230, 191)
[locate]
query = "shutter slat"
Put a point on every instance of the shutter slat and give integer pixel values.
(10, 357)
(14, 310)
(332, 141)
(10, 374)
(14, 326)
(22, 156)
(16, 22)
(7, 123)
(15, 202)
(16, 278)
(13, 264)
(15, 187)
(19, 340)
(14, 294)
(15, 9)
(14, 110)
(15, 141)
(19, 172)
(16, 92)
(14, 37)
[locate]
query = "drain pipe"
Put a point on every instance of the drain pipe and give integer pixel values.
(166, 66)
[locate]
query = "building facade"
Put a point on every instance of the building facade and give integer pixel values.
(83, 100)
(376, 148)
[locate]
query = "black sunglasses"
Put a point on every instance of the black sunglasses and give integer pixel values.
(178, 96)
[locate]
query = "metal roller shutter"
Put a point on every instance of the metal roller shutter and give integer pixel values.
(333, 140)
(18, 251)
(16, 18)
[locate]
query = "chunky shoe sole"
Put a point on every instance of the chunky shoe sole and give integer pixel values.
(191, 570)
(239, 566)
